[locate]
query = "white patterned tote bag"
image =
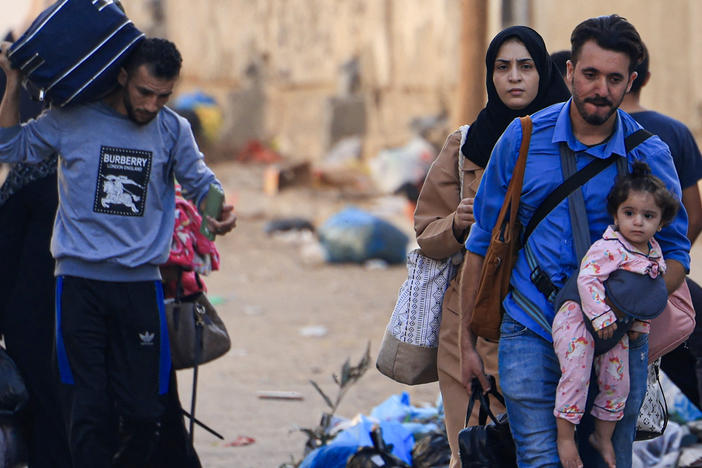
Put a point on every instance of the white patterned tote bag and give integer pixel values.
(653, 416)
(408, 350)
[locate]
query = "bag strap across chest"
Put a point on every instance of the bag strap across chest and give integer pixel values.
(571, 188)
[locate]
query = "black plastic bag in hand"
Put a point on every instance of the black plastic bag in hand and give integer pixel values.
(486, 445)
(13, 392)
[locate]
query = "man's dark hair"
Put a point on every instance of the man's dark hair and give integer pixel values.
(159, 55)
(609, 32)
(642, 70)
(559, 59)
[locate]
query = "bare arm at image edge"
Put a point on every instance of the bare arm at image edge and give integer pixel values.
(9, 109)
(693, 206)
(674, 275)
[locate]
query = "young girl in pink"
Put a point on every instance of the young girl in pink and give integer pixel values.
(640, 205)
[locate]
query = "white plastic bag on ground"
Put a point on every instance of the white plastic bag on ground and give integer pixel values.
(394, 167)
(661, 452)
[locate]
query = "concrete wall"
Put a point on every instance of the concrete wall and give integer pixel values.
(275, 65)
(288, 54)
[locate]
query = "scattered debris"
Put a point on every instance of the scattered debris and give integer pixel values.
(345, 153)
(288, 224)
(375, 264)
(691, 456)
(314, 331)
(279, 176)
(256, 152)
(313, 253)
(238, 352)
(240, 441)
(279, 395)
(394, 167)
(252, 310)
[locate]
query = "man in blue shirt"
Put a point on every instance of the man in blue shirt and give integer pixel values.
(679, 363)
(605, 51)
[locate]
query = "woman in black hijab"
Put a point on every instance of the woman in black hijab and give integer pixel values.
(520, 80)
(496, 115)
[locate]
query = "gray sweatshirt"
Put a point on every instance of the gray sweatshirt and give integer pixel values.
(116, 186)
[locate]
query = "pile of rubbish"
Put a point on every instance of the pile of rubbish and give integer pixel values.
(400, 434)
(397, 434)
(394, 434)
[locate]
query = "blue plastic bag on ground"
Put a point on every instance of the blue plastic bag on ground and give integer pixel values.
(347, 442)
(680, 408)
(329, 456)
(354, 235)
(394, 434)
(398, 408)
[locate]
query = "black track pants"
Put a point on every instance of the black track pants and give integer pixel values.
(114, 368)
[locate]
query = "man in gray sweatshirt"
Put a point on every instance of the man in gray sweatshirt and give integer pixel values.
(118, 161)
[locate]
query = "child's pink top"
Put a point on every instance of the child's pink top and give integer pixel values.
(614, 252)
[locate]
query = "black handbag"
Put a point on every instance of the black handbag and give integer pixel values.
(196, 333)
(487, 445)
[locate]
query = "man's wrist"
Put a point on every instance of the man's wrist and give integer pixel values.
(13, 81)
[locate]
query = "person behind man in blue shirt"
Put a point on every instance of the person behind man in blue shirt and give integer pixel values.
(605, 51)
(679, 364)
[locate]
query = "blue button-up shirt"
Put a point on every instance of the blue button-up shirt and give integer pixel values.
(552, 240)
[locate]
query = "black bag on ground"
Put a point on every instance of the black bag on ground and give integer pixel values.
(13, 398)
(13, 446)
(377, 456)
(487, 445)
(73, 50)
(432, 451)
(13, 392)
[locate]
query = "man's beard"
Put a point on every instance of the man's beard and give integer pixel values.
(133, 115)
(594, 119)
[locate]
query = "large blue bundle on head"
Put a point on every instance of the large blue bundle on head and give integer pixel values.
(353, 235)
(73, 50)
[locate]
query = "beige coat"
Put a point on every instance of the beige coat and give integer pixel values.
(436, 207)
(433, 224)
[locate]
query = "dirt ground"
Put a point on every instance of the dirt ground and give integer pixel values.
(270, 294)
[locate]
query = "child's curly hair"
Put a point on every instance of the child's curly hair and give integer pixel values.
(641, 180)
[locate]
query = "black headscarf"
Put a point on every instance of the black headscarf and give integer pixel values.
(495, 117)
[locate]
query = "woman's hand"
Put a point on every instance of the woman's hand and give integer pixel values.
(463, 217)
(472, 367)
(607, 332)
